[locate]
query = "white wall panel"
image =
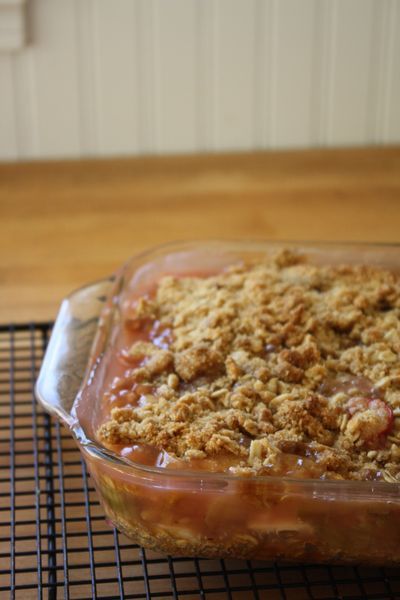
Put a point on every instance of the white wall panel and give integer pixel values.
(378, 71)
(144, 34)
(391, 126)
(56, 80)
(384, 89)
(235, 73)
(24, 81)
(291, 77)
(176, 68)
(350, 71)
(109, 77)
(205, 74)
(264, 84)
(321, 81)
(87, 50)
(8, 138)
(115, 72)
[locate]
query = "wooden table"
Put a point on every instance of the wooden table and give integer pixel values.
(66, 223)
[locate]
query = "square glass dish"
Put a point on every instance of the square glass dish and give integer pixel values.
(200, 513)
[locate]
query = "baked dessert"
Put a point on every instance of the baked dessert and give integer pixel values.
(238, 401)
(274, 367)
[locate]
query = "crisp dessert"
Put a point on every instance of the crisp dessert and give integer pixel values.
(273, 368)
(255, 407)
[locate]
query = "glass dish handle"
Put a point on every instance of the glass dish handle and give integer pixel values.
(69, 348)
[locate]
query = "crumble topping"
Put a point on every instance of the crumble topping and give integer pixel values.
(279, 365)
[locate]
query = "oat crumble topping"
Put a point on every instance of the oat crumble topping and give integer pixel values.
(266, 361)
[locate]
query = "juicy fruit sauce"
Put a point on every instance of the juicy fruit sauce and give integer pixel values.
(123, 392)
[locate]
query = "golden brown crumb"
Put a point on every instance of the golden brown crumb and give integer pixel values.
(275, 358)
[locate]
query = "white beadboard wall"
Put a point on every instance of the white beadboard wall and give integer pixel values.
(117, 77)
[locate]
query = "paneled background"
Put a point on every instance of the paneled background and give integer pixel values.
(115, 77)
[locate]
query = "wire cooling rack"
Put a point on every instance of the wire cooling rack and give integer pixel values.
(55, 543)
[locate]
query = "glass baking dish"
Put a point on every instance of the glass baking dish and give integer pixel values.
(206, 513)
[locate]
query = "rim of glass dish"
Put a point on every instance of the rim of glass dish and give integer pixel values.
(100, 452)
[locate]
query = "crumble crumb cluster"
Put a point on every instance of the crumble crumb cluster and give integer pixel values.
(279, 365)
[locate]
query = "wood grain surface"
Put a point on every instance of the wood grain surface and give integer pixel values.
(66, 223)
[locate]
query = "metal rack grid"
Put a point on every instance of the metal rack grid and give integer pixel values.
(55, 543)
